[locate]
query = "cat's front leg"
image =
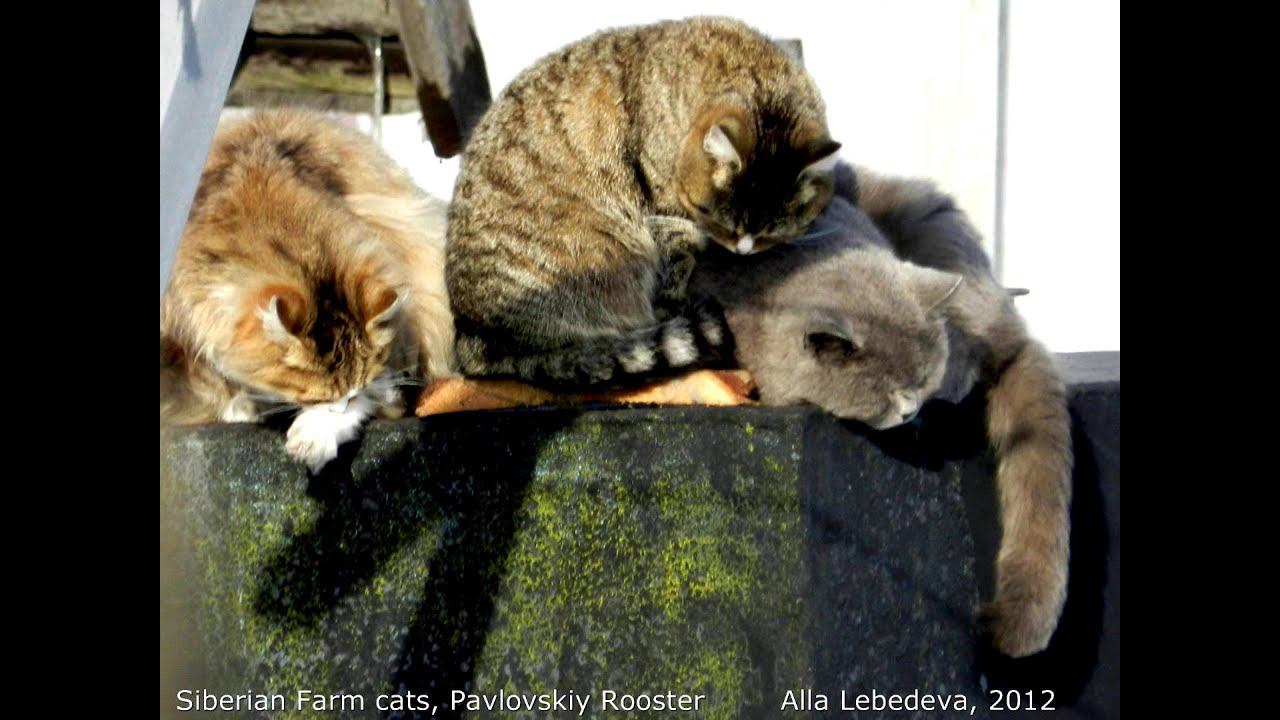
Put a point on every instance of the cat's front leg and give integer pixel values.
(390, 401)
(676, 235)
(681, 240)
(239, 409)
(318, 431)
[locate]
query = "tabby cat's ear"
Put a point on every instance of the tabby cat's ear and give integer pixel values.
(718, 145)
(935, 289)
(283, 310)
(822, 157)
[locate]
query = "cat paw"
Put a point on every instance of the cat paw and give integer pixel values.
(314, 437)
(1018, 628)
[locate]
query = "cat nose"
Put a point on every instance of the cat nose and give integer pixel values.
(908, 417)
(746, 244)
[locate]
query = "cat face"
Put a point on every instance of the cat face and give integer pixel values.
(753, 183)
(324, 344)
(868, 345)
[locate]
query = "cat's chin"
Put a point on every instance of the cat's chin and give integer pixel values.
(890, 423)
(877, 424)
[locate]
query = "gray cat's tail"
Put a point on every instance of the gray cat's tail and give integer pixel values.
(697, 338)
(1030, 429)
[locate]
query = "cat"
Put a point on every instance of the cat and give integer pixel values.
(309, 278)
(576, 190)
(892, 303)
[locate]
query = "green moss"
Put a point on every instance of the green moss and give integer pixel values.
(633, 567)
(646, 575)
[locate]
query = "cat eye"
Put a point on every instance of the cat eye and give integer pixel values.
(831, 349)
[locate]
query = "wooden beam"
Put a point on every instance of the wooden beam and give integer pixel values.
(448, 69)
(324, 73)
(319, 17)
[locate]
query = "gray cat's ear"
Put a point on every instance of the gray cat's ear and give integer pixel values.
(934, 289)
(718, 145)
(831, 342)
(282, 310)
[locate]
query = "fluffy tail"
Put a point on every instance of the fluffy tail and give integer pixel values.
(696, 338)
(1030, 429)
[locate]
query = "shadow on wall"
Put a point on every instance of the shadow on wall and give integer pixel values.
(368, 515)
(946, 433)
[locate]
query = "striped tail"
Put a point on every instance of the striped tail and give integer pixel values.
(697, 338)
(1030, 429)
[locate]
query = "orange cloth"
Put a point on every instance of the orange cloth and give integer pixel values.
(701, 387)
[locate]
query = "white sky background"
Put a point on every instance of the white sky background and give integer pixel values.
(911, 88)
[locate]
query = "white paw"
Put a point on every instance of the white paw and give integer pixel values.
(316, 433)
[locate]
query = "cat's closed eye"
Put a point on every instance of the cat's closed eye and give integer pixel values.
(831, 349)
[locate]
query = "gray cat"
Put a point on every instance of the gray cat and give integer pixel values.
(889, 303)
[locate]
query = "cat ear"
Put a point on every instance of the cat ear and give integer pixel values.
(717, 144)
(283, 311)
(935, 289)
(822, 158)
(380, 303)
(831, 342)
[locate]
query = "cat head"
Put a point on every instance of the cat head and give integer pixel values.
(317, 341)
(864, 340)
(753, 180)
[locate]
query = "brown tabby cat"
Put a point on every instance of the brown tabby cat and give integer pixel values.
(847, 320)
(310, 277)
(573, 190)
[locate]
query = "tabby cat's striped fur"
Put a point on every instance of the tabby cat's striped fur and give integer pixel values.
(577, 189)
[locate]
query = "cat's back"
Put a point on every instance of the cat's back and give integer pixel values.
(286, 146)
(290, 195)
(622, 92)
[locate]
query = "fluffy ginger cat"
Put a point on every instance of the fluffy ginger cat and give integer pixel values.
(869, 320)
(576, 184)
(310, 278)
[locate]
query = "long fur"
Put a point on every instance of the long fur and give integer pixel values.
(310, 278)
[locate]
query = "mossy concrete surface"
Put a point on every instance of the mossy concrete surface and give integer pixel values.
(733, 553)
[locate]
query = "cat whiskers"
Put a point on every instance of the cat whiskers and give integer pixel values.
(399, 378)
(818, 234)
(264, 398)
(279, 409)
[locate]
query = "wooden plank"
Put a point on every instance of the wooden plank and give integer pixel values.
(323, 73)
(329, 102)
(318, 17)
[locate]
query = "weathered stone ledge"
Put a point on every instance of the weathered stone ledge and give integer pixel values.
(733, 553)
